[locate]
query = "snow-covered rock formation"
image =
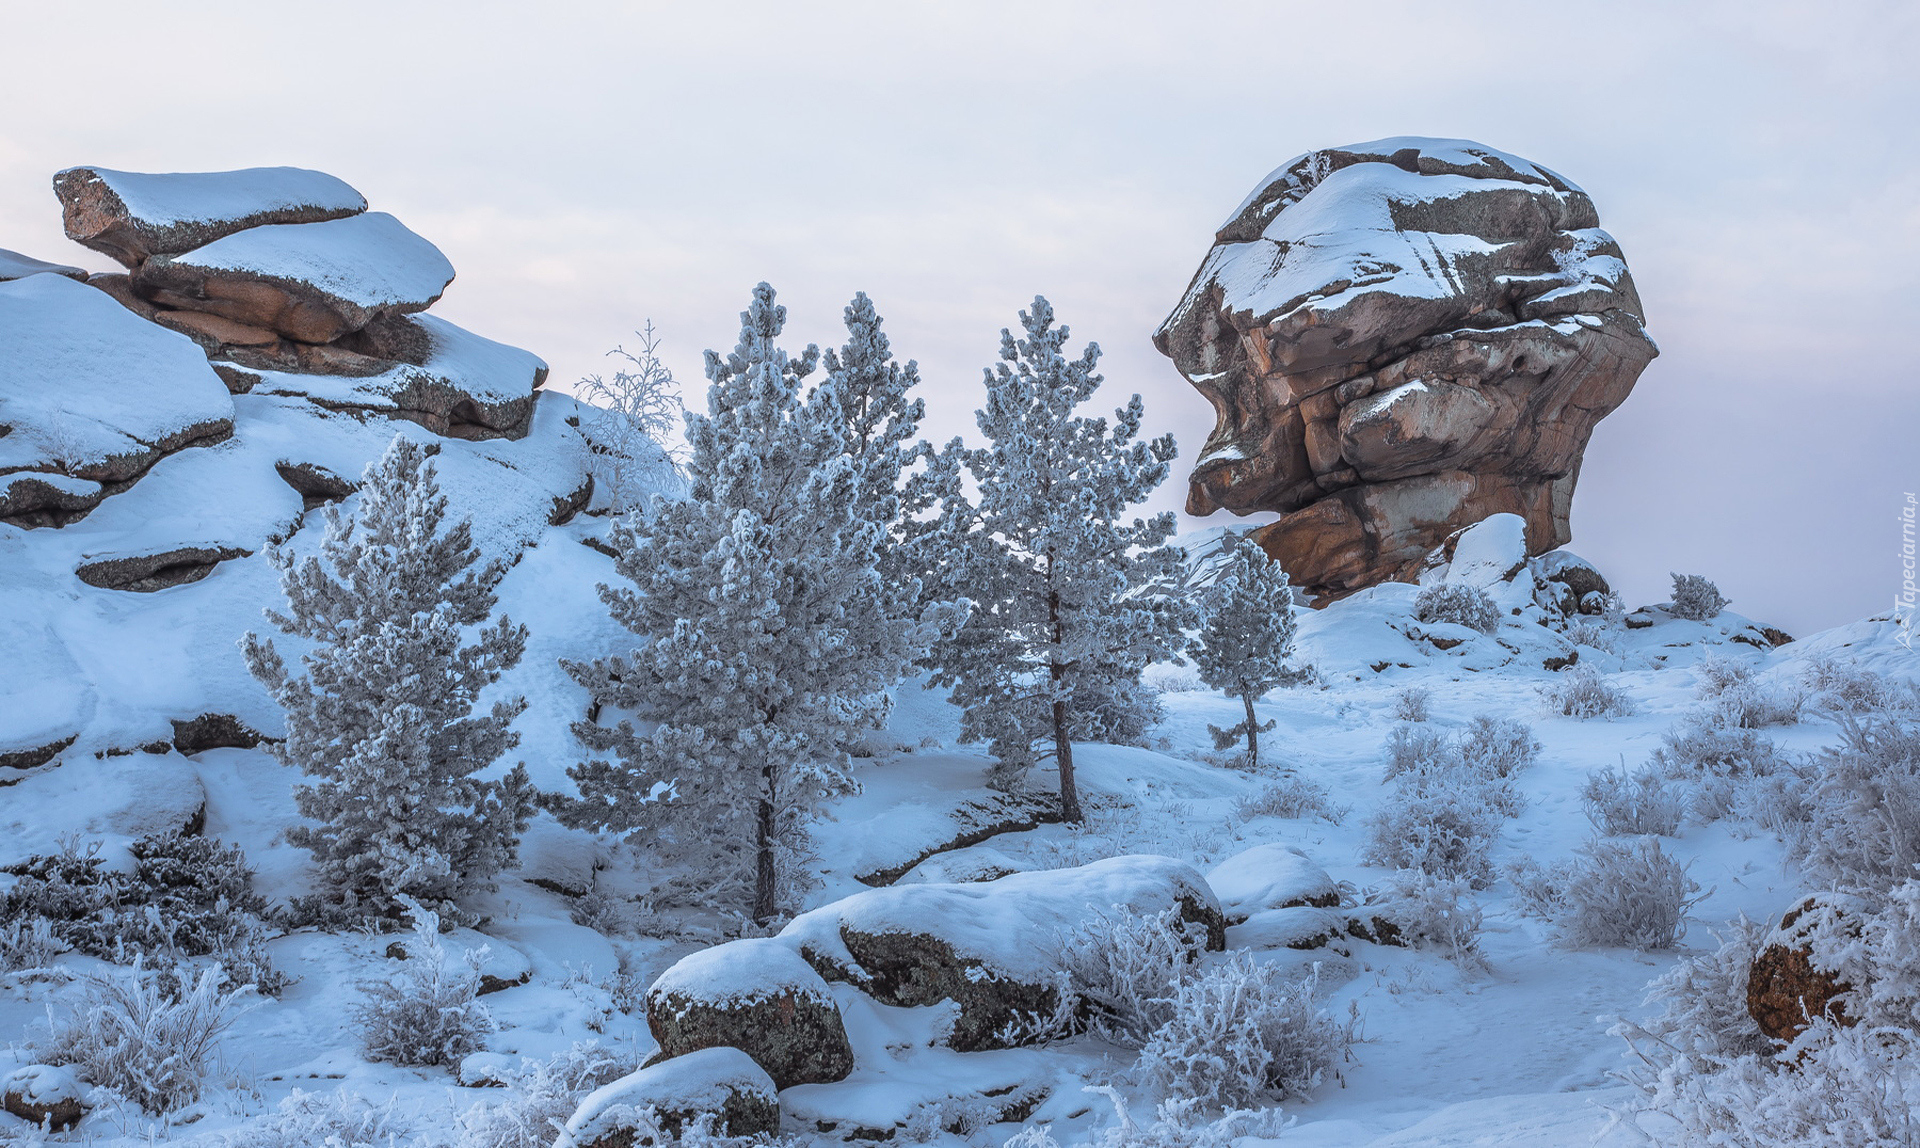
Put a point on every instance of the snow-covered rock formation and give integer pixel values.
(1401, 338)
(160, 429)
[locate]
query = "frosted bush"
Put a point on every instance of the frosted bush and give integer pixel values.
(1411, 704)
(1863, 816)
(427, 1012)
(1628, 894)
(1541, 890)
(1755, 705)
(1844, 687)
(129, 1034)
(1459, 604)
(541, 1097)
(1290, 796)
(1442, 830)
(27, 944)
(1125, 970)
(1708, 1077)
(1620, 804)
(1592, 635)
(1243, 1033)
(1702, 743)
(1430, 912)
(1695, 598)
(1718, 674)
(1498, 747)
(1582, 692)
(1418, 749)
(338, 1119)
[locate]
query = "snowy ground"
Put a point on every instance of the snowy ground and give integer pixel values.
(1513, 1053)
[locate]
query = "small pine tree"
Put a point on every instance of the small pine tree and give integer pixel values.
(1246, 637)
(1069, 602)
(384, 714)
(772, 630)
(1696, 598)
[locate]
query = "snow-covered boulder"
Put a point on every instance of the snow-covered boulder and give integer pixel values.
(134, 215)
(91, 397)
(756, 995)
(44, 1094)
(114, 800)
(723, 1083)
(1400, 338)
(1296, 927)
(1270, 876)
(14, 265)
(1488, 553)
(1784, 986)
(1574, 584)
(311, 282)
(976, 863)
(991, 947)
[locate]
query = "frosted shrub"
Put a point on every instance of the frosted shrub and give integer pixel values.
(1243, 1033)
(1593, 635)
(1498, 747)
(27, 944)
(1541, 890)
(426, 1012)
(540, 1099)
(1459, 604)
(1718, 674)
(1442, 830)
(1863, 825)
(1125, 970)
(338, 1119)
(1290, 796)
(1702, 743)
(1418, 749)
(1754, 705)
(1633, 804)
(634, 440)
(1627, 894)
(1844, 687)
(129, 1034)
(1582, 692)
(1430, 912)
(1708, 1077)
(1410, 704)
(1695, 598)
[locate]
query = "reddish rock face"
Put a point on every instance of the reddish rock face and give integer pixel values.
(1400, 339)
(1784, 987)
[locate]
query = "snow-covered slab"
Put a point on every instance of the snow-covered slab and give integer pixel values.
(114, 800)
(14, 265)
(90, 390)
(469, 386)
(309, 281)
(1273, 876)
(134, 215)
(720, 1082)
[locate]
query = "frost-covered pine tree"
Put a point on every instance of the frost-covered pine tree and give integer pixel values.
(1070, 603)
(1246, 636)
(393, 616)
(770, 628)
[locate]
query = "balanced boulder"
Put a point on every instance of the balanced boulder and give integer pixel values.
(1401, 338)
(133, 216)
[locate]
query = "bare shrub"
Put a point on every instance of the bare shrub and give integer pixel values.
(1844, 687)
(1440, 829)
(1619, 803)
(1459, 604)
(1628, 894)
(1498, 747)
(1290, 796)
(129, 1034)
(541, 1097)
(1430, 912)
(1540, 889)
(1418, 749)
(1243, 1033)
(427, 1012)
(1125, 970)
(1863, 805)
(1754, 705)
(1582, 692)
(1411, 704)
(28, 945)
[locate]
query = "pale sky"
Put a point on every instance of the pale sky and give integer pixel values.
(603, 164)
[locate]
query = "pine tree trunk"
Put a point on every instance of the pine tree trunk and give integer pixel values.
(763, 877)
(1063, 753)
(1253, 734)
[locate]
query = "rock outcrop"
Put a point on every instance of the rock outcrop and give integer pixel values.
(45, 1095)
(1399, 339)
(133, 216)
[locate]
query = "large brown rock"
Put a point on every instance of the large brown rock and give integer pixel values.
(311, 282)
(758, 996)
(1400, 339)
(45, 1095)
(1785, 987)
(134, 215)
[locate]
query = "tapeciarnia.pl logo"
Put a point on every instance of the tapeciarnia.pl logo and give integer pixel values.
(1906, 604)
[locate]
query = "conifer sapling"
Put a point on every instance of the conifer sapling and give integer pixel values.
(1246, 637)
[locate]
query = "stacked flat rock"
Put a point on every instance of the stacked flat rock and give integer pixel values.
(284, 271)
(1399, 339)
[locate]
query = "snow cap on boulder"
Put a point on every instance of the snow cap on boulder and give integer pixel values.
(757, 995)
(1272, 876)
(133, 216)
(723, 1083)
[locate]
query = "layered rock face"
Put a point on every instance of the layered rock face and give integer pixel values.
(1399, 339)
(283, 271)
